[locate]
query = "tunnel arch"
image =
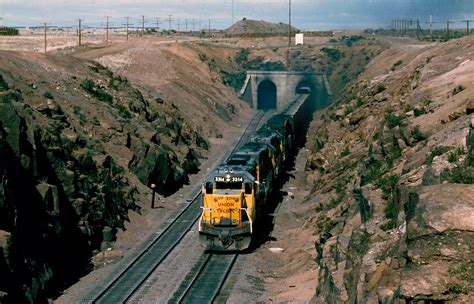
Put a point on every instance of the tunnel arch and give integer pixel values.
(317, 102)
(302, 85)
(267, 95)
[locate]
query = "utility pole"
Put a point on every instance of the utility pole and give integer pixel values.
(44, 38)
(186, 25)
(169, 22)
(178, 25)
(143, 25)
(417, 28)
(468, 31)
(158, 24)
(232, 12)
(209, 27)
(79, 32)
(431, 27)
(447, 28)
(289, 35)
(128, 19)
(107, 33)
(193, 23)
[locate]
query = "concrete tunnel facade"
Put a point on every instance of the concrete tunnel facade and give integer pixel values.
(273, 90)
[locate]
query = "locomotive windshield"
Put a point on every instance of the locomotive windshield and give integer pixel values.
(229, 186)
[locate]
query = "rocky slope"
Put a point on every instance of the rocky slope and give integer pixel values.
(391, 169)
(79, 147)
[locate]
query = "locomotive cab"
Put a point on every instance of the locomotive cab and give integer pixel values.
(228, 210)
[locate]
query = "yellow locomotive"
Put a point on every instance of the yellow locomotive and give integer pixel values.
(233, 196)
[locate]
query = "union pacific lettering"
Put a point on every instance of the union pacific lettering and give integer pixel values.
(225, 204)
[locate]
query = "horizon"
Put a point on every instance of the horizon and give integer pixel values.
(309, 15)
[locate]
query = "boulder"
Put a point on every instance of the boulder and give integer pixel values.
(157, 164)
(439, 243)
(11, 123)
(4, 239)
(380, 97)
(416, 284)
(3, 84)
(49, 194)
(443, 208)
(191, 163)
(108, 234)
(470, 107)
(356, 118)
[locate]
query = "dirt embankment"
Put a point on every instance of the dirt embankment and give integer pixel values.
(390, 173)
(247, 26)
(81, 142)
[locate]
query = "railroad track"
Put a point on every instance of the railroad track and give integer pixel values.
(204, 282)
(127, 282)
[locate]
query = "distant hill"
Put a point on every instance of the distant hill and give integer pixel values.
(246, 26)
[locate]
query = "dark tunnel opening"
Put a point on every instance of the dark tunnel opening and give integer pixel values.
(266, 95)
(318, 101)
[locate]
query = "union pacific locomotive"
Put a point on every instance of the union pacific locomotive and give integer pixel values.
(235, 193)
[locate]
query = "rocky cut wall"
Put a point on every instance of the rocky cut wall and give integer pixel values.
(392, 172)
(63, 194)
(56, 202)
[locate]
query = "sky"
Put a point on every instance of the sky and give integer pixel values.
(306, 14)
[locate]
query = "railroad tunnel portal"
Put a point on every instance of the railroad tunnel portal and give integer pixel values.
(266, 95)
(273, 90)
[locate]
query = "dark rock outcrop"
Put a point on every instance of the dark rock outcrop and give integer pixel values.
(55, 202)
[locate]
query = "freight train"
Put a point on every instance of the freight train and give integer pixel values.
(234, 195)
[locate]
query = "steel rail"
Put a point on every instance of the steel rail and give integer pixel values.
(205, 284)
(127, 282)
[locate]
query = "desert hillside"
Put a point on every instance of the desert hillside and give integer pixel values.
(388, 213)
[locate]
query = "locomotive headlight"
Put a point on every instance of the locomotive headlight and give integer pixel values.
(227, 177)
